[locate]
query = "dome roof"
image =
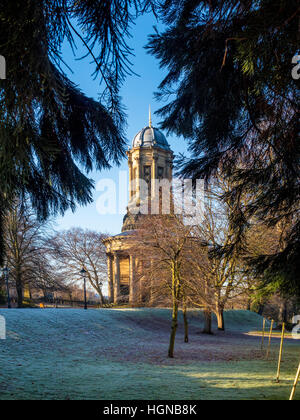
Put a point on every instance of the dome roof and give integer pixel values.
(149, 137)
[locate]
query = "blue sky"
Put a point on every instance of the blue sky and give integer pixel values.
(137, 94)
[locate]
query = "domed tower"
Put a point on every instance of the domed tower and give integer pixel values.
(150, 159)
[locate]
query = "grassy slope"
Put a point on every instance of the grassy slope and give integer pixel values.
(72, 354)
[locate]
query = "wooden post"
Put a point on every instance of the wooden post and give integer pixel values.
(280, 354)
(270, 339)
(295, 384)
(263, 334)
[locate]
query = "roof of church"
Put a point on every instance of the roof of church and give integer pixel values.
(149, 137)
(120, 235)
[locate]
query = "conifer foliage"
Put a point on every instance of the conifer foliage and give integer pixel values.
(230, 91)
(50, 132)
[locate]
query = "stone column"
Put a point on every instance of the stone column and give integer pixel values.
(110, 279)
(130, 179)
(138, 185)
(132, 285)
(116, 278)
(169, 164)
(154, 174)
(140, 282)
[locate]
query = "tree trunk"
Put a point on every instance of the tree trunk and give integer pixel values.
(101, 298)
(283, 317)
(175, 297)
(186, 323)
(207, 321)
(261, 309)
(220, 319)
(173, 329)
(249, 304)
(19, 287)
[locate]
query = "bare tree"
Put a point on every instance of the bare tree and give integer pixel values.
(219, 269)
(163, 241)
(24, 239)
(76, 249)
(215, 276)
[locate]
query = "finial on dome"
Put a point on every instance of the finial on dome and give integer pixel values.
(150, 117)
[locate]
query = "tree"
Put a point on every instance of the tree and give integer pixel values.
(50, 132)
(2, 291)
(45, 276)
(199, 281)
(24, 239)
(164, 240)
(215, 277)
(230, 92)
(75, 249)
(264, 240)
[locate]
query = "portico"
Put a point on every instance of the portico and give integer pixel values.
(121, 267)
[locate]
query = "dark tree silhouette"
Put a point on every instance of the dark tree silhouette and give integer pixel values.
(50, 132)
(230, 91)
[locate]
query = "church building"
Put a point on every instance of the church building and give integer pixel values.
(150, 158)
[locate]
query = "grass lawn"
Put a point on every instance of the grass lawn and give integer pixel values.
(121, 354)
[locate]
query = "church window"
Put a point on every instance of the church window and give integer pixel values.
(160, 172)
(147, 174)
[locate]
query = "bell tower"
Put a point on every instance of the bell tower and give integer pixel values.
(150, 158)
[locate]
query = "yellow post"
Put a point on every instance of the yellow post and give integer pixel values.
(295, 384)
(270, 339)
(263, 334)
(280, 353)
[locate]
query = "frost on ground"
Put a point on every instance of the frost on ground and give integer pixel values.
(121, 354)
